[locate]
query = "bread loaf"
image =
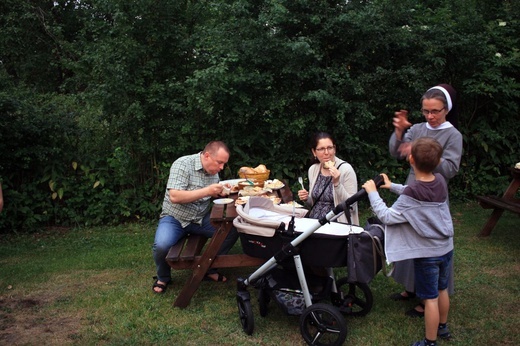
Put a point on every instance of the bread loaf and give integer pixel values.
(329, 164)
(246, 170)
(260, 169)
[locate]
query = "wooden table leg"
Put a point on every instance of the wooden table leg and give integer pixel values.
(201, 268)
(491, 223)
(497, 212)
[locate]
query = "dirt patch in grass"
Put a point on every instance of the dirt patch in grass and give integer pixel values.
(49, 313)
(27, 321)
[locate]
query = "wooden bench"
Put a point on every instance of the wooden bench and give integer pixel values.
(500, 204)
(491, 202)
(182, 254)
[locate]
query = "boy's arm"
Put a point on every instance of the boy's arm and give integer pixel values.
(397, 188)
(370, 185)
(388, 216)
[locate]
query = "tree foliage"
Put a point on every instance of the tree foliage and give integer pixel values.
(98, 97)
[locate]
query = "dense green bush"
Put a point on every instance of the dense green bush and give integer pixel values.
(98, 97)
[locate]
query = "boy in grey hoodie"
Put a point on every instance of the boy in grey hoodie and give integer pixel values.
(419, 227)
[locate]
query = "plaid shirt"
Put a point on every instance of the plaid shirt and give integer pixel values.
(186, 173)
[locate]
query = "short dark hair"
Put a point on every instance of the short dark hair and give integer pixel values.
(427, 153)
(213, 146)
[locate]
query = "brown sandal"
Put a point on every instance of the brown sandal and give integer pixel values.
(220, 278)
(163, 287)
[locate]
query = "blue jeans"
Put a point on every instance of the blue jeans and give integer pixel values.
(169, 232)
(431, 275)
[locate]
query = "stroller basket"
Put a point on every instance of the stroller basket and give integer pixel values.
(282, 285)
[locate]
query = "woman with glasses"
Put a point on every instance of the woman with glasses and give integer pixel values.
(331, 180)
(438, 106)
(440, 113)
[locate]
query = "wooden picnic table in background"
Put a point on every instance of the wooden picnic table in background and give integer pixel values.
(508, 201)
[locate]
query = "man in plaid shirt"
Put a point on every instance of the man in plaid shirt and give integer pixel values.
(193, 181)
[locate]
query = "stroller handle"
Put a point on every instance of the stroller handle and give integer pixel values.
(344, 206)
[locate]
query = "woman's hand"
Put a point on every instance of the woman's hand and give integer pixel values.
(335, 174)
(303, 195)
(405, 149)
(401, 123)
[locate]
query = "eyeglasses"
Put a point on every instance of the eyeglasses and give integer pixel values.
(321, 150)
(432, 112)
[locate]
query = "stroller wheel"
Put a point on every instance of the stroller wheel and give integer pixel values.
(263, 301)
(357, 298)
(245, 312)
(323, 324)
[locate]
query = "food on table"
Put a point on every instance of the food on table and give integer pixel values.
(243, 199)
(273, 184)
(276, 200)
(296, 204)
(260, 169)
(246, 170)
(252, 171)
(253, 191)
(249, 182)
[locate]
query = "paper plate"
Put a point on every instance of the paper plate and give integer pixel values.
(274, 184)
(231, 181)
(223, 201)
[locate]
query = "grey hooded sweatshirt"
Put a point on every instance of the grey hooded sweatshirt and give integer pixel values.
(414, 229)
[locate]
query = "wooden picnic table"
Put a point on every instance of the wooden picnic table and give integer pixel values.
(189, 252)
(508, 201)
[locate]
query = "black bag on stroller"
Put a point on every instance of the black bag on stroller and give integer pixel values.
(366, 253)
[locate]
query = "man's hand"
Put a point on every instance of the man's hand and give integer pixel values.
(215, 190)
(226, 189)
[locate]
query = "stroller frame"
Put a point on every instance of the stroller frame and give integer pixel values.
(320, 323)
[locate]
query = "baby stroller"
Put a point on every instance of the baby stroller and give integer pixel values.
(277, 234)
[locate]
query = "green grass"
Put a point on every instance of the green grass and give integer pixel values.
(93, 287)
